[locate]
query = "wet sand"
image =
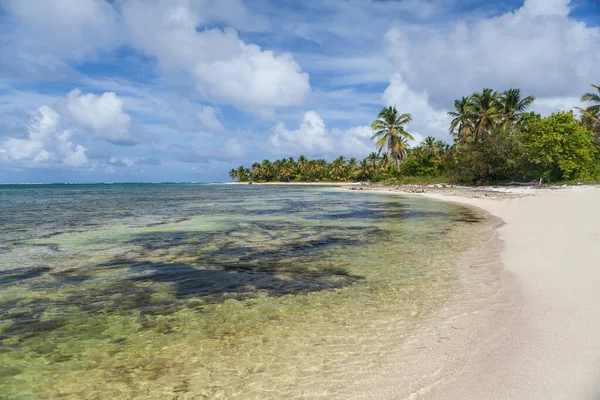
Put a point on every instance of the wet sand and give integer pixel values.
(536, 335)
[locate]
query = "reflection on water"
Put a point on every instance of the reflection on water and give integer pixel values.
(196, 291)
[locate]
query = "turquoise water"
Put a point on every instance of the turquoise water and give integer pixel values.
(212, 291)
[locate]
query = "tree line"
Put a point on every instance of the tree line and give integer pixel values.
(496, 139)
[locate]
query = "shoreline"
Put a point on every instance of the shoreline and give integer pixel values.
(536, 336)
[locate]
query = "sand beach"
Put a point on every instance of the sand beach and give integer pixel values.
(536, 337)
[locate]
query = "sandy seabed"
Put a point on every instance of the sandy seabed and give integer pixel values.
(535, 332)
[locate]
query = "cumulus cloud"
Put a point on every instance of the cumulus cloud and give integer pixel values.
(45, 143)
(208, 118)
(48, 34)
(222, 66)
(427, 120)
(537, 48)
(51, 134)
(313, 138)
(100, 114)
(69, 29)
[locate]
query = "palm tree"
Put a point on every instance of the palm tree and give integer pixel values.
(233, 173)
(256, 172)
(286, 171)
(383, 162)
(593, 111)
(388, 130)
(364, 170)
(462, 123)
(266, 170)
(486, 112)
(352, 163)
(338, 168)
(512, 105)
(430, 146)
(243, 174)
(373, 158)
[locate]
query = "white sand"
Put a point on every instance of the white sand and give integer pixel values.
(550, 347)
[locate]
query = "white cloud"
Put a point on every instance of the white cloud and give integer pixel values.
(312, 138)
(45, 35)
(208, 119)
(73, 29)
(46, 143)
(100, 114)
(223, 67)
(537, 48)
(73, 155)
(24, 149)
(44, 123)
(51, 130)
(547, 7)
(426, 120)
(546, 106)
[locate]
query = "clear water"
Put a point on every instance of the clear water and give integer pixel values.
(213, 291)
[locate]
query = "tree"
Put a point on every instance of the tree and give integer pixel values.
(462, 123)
(594, 109)
(486, 112)
(429, 146)
(286, 171)
(591, 114)
(338, 168)
(243, 174)
(256, 172)
(364, 170)
(233, 173)
(352, 163)
(266, 170)
(373, 158)
(512, 105)
(388, 130)
(557, 147)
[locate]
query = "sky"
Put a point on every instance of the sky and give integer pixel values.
(185, 90)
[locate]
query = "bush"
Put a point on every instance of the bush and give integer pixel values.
(555, 148)
(482, 162)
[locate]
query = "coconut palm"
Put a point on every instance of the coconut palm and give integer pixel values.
(286, 171)
(233, 173)
(486, 112)
(243, 174)
(462, 123)
(364, 170)
(383, 162)
(512, 105)
(338, 168)
(352, 163)
(266, 170)
(430, 146)
(593, 111)
(373, 158)
(388, 130)
(256, 171)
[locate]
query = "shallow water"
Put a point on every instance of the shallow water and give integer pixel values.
(213, 291)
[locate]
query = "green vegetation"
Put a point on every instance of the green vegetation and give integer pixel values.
(495, 140)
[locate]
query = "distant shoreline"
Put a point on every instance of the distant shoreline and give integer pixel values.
(341, 184)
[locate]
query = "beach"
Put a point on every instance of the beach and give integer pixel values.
(536, 337)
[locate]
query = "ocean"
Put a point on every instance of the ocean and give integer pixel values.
(154, 291)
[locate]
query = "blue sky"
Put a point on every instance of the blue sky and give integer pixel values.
(184, 90)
